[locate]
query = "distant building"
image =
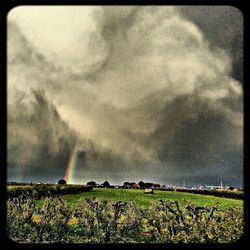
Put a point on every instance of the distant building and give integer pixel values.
(99, 186)
(156, 186)
(214, 187)
(135, 186)
(132, 185)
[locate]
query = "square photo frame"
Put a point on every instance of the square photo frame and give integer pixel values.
(125, 125)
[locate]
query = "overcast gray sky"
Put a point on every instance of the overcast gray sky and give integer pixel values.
(148, 93)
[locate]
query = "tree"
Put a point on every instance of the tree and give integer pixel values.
(91, 183)
(141, 184)
(126, 184)
(62, 182)
(106, 184)
(148, 185)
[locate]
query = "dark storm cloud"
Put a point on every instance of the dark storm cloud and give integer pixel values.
(196, 140)
(147, 94)
(223, 27)
(38, 139)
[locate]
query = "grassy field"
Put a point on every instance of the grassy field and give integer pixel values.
(145, 200)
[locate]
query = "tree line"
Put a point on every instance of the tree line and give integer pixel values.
(126, 184)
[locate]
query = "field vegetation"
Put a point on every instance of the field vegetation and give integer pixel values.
(92, 220)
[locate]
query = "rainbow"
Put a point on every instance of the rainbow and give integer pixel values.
(70, 170)
(19, 169)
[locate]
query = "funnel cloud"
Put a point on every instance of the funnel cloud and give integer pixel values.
(144, 92)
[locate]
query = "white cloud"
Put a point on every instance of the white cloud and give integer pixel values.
(64, 35)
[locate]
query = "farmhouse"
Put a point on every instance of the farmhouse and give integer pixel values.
(135, 186)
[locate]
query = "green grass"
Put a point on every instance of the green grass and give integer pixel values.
(145, 200)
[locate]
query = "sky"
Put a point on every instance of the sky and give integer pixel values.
(125, 93)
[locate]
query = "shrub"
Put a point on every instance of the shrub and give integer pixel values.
(91, 183)
(235, 194)
(106, 184)
(62, 182)
(43, 190)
